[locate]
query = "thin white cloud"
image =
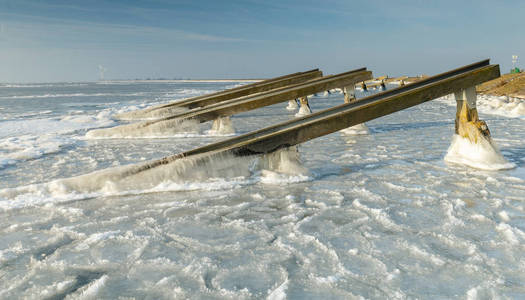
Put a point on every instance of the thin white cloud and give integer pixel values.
(35, 26)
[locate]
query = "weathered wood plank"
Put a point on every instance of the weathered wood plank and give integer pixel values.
(389, 80)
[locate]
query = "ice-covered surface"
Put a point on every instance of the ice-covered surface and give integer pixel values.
(380, 215)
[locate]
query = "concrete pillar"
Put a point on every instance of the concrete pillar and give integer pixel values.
(468, 124)
(349, 92)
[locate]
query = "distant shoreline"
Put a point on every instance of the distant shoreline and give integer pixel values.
(137, 80)
(182, 80)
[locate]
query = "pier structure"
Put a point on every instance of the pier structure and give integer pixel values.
(461, 82)
(217, 97)
(222, 110)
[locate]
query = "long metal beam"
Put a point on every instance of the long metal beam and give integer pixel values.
(234, 106)
(334, 119)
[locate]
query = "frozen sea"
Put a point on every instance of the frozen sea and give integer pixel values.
(375, 216)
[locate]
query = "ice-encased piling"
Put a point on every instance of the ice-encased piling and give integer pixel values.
(222, 126)
(304, 108)
(349, 93)
(472, 143)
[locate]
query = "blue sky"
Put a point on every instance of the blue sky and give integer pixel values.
(68, 40)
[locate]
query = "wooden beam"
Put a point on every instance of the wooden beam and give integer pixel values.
(376, 80)
(389, 80)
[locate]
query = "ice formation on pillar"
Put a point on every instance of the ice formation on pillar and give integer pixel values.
(283, 166)
(292, 105)
(472, 144)
(304, 109)
(222, 126)
(482, 154)
(286, 160)
(349, 93)
(356, 129)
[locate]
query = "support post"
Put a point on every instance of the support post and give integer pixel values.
(468, 124)
(305, 107)
(349, 92)
(472, 144)
(304, 102)
(222, 126)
